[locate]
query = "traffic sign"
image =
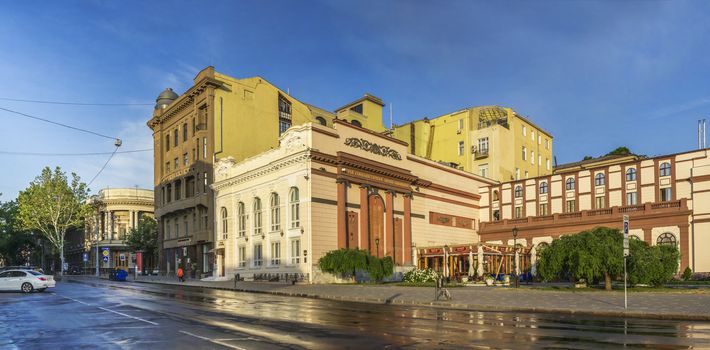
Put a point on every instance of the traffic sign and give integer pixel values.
(123, 257)
(85, 256)
(626, 235)
(105, 253)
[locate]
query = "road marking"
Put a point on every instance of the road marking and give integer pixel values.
(78, 301)
(129, 316)
(212, 340)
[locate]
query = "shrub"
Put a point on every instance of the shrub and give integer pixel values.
(419, 276)
(347, 262)
(687, 273)
(652, 265)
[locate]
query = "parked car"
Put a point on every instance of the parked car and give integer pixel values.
(25, 281)
(5, 268)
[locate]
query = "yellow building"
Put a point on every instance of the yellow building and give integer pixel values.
(218, 117)
(491, 141)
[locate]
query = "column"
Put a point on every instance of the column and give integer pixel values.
(364, 216)
(533, 260)
(480, 260)
(388, 245)
(342, 215)
(684, 247)
(647, 237)
(407, 241)
(131, 222)
(470, 261)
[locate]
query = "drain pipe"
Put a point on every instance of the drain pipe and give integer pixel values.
(692, 214)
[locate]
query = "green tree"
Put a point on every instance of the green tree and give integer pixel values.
(16, 246)
(52, 205)
(654, 265)
(346, 262)
(620, 151)
(144, 238)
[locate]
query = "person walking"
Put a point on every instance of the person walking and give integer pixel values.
(180, 274)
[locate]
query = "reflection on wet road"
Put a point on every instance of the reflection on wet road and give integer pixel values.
(108, 315)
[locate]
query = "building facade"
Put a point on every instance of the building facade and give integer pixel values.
(667, 199)
(117, 211)
(344, 186)
(218, 117)
(491, 141)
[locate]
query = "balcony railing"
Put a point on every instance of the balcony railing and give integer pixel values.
(584, 216)
(481, 153)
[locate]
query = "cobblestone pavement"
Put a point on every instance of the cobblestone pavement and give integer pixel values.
(688, 306)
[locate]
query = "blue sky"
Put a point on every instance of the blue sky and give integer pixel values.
(596, 74)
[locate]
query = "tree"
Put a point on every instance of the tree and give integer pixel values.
(347, 262)
(144, 237)
(654, 265)
(52, 205)
(16, 246)
(620, 151)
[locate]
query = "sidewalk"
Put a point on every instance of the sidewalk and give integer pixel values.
(663, 305)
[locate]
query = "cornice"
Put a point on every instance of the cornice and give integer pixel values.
(185, 100)
(297, 158)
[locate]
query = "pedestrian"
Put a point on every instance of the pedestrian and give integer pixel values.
(180, 274)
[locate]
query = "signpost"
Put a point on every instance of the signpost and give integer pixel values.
(626, 254)
(104, 254)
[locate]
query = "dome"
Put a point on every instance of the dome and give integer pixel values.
(165, 98)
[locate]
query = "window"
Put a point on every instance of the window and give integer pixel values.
(184, 132)
(178, 189)
(526, 174)
(225, 223)
(631, 198)
(275, 212)
(543, 187)
(666, 238)
(571, 206)
(275, 253)
(539, 139)
(206, 266)
(631, 174)
(483, 170)
(321, 121)
(242, 256)
(518, 212)
(666, 169)
(257, 255)
(532, 157)
(460, 148)
(525, 131)
(569, 183)
(204, 184)
(167, 142)
(167, 167)
(532, 135)
(483, 145)
(600, 202)
(170, 192)
(517, 173)
(547, 144)
(204, 148)
(185, 159)
(666, 195)
(257, 216)
(241, 212)
(518, 191)
(356, 123)
(295, 251)
(177, 228)
(495, 195)
(357, 108)
(539, 159)
(496, 215)
(167, 228)
(460, 126)
(193, 127)
(525, 153)
(295, 208)
(599, 179)
(543, 209)
(284, 114)
(547, 164)
(175, 134)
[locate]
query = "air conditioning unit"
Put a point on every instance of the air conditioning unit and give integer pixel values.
(458, 131)
(473, 149)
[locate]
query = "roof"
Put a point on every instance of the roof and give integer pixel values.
(368, 97)
(612, 158)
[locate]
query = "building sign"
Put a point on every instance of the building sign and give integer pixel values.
(368, 146)
(450, 220)
(376, 178)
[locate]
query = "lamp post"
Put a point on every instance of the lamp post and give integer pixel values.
(446, 261)
(377, 247)
(515, 255)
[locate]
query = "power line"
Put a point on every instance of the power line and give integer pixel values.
(57, 123)
(104, 167)
(72, 154)
(74, 103)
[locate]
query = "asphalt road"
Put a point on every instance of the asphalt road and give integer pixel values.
(108, 315)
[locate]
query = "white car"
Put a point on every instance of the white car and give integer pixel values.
(25, 281)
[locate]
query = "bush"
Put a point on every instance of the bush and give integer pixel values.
(420, 276)
(687, 274)
(652, 265)
(347, 262)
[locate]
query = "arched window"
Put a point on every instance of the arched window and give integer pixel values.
(225, 223)
(666, 169)
(321, 121)
(518, 191)
(631, 174)
(275, 212)
(543, 187)
(356, 123)
(257, 216)
(666, 238)
(241, 212)
(599, 179)
(569, 183)
(495, 195)
(295, 207)
(540, 247)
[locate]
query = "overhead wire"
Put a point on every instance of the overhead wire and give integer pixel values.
(57, 123)
(74, 103)
(103, 167)
(72, 154)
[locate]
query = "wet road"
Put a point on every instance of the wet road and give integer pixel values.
(109, 316)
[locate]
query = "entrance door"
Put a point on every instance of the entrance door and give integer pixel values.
(377, 225)
(221, 265)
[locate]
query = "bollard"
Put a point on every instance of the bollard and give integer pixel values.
(236, 278)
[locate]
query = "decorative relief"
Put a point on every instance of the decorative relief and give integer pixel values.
(371, 147)
(450, 220)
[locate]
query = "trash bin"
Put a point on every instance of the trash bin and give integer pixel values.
(121, 275)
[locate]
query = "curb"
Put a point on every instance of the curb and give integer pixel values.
(451, 305)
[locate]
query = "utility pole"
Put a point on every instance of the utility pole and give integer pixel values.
(96, 245)
(626, 254)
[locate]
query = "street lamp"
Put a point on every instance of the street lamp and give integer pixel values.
(446, 261)
(515, 255)
(377, 247)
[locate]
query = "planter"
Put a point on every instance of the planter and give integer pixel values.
(489, 281)
(506, 280)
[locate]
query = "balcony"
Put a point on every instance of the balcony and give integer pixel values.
(480, 153)
(590, 217)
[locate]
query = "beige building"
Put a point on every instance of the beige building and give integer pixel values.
(667, 199)
(491, 141)
(325, 188)
(117, 211)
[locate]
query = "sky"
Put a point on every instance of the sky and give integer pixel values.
(595, 74)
